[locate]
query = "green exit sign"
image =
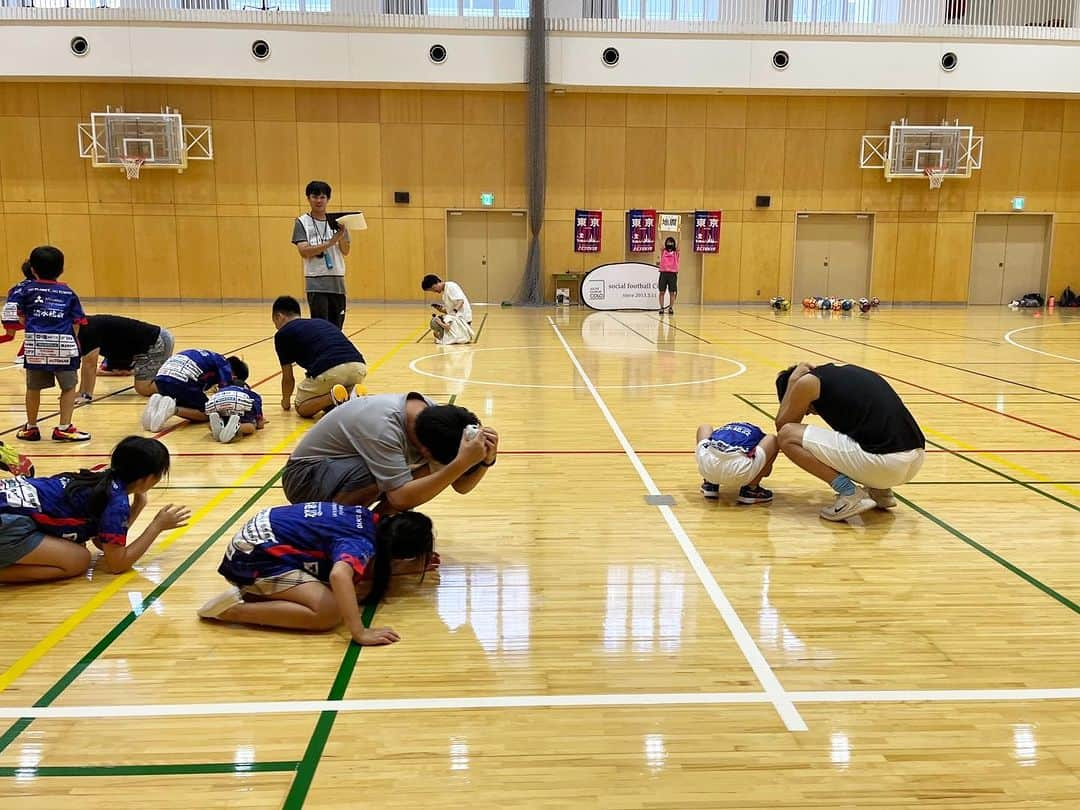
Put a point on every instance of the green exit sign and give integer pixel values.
(1018, 203)
(487, 199)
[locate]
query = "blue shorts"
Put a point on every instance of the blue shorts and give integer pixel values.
(187, 395)
(19, 535)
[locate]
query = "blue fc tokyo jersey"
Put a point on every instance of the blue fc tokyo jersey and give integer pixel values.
(736, 437)
(310, 537)
(197, 367)
(236, 399)
(45, 501)
(52, 311)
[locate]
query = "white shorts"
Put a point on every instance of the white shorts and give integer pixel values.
(875, 470)
(729, 469)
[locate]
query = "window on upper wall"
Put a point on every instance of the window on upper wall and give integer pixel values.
(478, 8)
(513, 8)
(850, 11)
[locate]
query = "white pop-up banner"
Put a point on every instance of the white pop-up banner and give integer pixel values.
(621, 285)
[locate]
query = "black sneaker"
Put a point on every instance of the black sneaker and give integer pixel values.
(750, 494)
(710, 491)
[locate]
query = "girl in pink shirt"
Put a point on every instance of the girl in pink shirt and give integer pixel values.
(669, 275)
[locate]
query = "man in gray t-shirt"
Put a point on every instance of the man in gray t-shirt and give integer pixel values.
(323, 248)
(401, 449)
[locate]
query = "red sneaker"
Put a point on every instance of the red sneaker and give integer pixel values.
(69, 434)
(29, 434)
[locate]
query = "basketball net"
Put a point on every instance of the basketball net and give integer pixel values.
(132, 165)
(936, 175)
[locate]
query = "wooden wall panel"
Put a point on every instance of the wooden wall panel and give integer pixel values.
(883, 272)
(804, 168)
(198, 259)
(441, 169)
(914, 261)
(1066, 248)
(605, 110)
(23, 233)
(364, 265)
(720, 271)
(1040, 165)
(516, 170)
(605, 168)
(725, 168)
(841, 181)
(434, 248)
(156, 257)
(1068, 189)
(684, 176)
(21, 178)
(240, 251)
(645, 146)
(952, 262)
(319, 158)
(234, 162)
(759, 273)
(483, 163)
(71, 233)
(64, 172)
(1000, 173)
(276, 167)
(764, 166)
(566, 167)
(482, 108)
(359, 165)
(402, 157)
(404, 266)
(112, 239)
(282, 272)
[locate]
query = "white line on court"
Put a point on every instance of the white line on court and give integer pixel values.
(1008, 339)
(533, 702)
(775, 691)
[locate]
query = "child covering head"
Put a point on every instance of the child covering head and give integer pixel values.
(737, 454)
(235, 409)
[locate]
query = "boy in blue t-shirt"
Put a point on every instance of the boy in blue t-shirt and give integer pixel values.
(181, 385)
(52, 314)
(235, 409)
(736, 454)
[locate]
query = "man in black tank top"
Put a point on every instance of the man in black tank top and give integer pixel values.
(874, 442)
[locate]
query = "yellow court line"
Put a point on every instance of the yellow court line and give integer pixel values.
(1004, 462)
(64, 629)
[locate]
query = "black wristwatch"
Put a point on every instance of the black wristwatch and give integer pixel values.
(492, 464)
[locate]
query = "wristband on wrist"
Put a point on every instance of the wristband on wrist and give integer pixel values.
(485, 464)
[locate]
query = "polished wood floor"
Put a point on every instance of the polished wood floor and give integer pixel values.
(599, 636)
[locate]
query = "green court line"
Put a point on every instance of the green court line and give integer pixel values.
(1004, 475)
(1020, 572)
(959, 535)
(305, 773)
(1008, 478)
(200, 768)
(481, 329)
(58, 688)
(452, 398)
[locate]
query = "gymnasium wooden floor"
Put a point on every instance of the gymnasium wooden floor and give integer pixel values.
(584, 646)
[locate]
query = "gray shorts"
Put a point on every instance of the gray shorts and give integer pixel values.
(145, 366)
(19, 535)
(38, 379)
(321, 479)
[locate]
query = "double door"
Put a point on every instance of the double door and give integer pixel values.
(486, 253)
(832, 255)
(1009, 257)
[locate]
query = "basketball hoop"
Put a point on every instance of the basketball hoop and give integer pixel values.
(936, 175)
(132, 165)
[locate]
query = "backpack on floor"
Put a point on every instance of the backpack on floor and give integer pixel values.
(1068, 298)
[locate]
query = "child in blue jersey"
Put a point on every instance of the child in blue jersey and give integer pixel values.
(45, 523)
(9, 319)
(235, 409)
(301, 567)
(736, 454)
(52, 314)
(181, 385)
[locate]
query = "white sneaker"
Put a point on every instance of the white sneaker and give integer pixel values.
(229, 429)
(882, 497)
(161, 411)
(848, 506)
(221, 603)
(215, 426)
(148, 410)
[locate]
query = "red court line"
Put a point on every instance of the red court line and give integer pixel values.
(690, 451)
(931, 390)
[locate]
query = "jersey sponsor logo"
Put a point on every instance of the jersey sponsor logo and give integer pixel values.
(255, 532)
(20, 494)
(181, 367)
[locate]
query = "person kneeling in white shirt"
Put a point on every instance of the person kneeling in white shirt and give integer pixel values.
(452, 321)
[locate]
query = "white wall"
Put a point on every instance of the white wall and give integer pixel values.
(488, 58)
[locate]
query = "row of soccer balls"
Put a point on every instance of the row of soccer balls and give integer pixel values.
(836, 304)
